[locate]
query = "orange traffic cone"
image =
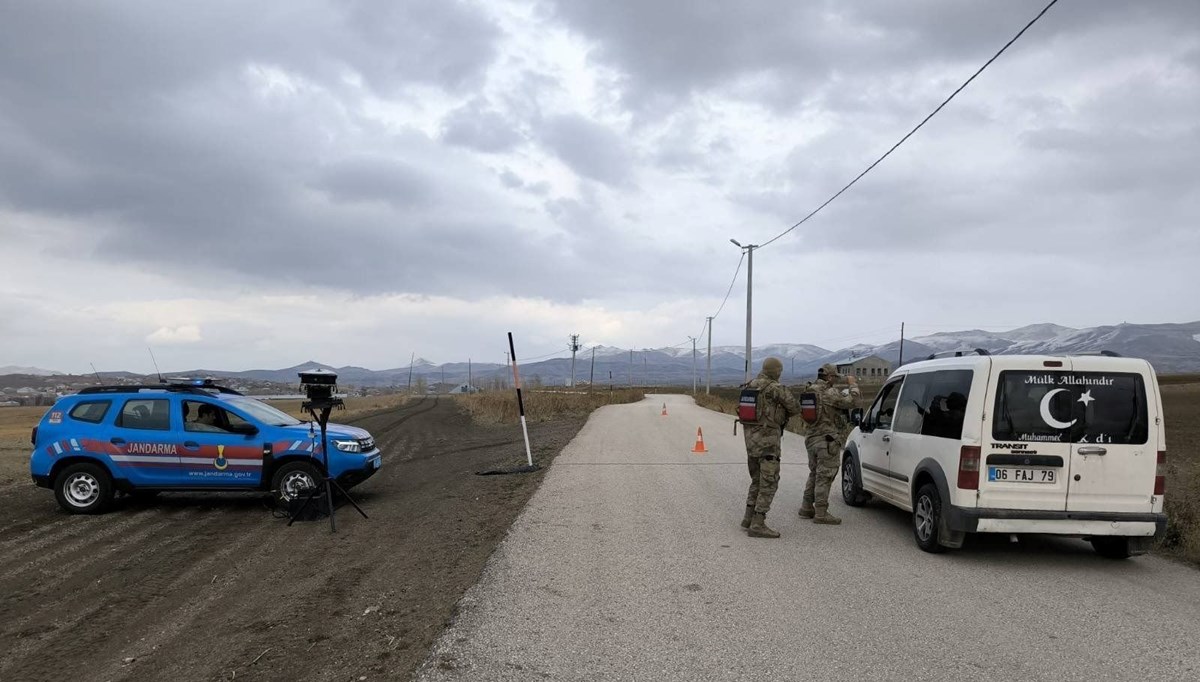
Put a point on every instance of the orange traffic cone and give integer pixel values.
(699, 447)
(664, 412)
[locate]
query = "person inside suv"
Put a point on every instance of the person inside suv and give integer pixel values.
(207, 419)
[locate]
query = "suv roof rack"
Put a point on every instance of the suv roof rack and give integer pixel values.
(958, 353)
(1105, 353)
(203, 389)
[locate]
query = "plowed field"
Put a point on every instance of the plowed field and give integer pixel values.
(215, 587)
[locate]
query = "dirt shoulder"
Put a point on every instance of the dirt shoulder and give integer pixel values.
(208, 587)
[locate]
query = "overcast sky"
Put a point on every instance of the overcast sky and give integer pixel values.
(256, 184)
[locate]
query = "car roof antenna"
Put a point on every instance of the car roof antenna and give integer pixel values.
(156, 369)
(98, 379)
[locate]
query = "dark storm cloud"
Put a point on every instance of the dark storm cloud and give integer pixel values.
(781, 54)
(158, 127)
(478, 127)
(374, 178)
(588, 148)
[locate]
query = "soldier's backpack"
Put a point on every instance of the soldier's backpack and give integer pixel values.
(810, 407)
(749, 409)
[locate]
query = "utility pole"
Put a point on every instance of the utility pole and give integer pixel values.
(900, 361)
(630, 368)
(592, 373)
(693, 364)
(410, 364)
(645, 373)
(469, 377)
(749, 249)
(574, 347)
(708, 375)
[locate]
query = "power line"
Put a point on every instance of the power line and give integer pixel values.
(910, 133)
(730, 290)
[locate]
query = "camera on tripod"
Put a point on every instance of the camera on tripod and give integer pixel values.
(319, 386)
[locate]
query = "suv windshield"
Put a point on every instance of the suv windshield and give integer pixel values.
(1071, 407)
(264, 412)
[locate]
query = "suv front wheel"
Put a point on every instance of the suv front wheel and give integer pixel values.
(292, 480)
(83, 489)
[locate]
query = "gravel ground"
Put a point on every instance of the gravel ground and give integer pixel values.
(629, 564)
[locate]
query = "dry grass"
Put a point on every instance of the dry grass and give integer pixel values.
(1182, 413)
(17, 422)
(501, 406)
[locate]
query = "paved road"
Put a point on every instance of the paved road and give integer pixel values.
(629, 564)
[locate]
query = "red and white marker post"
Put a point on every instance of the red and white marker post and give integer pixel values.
(520, 401)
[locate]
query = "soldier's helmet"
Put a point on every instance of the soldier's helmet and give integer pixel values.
(827, 371)
(773, 368)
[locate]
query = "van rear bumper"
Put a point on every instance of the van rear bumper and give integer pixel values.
(1084, 523)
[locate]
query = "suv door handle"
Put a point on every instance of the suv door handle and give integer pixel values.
(117, 441)
(886, 438)
(1091, 450)
(191, 444)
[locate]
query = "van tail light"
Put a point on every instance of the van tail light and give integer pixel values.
(968, 467)
(1160, 473)
(33, 437)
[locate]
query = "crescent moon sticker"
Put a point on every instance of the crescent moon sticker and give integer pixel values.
(1049, 418)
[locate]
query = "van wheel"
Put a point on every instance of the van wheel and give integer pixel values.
(927, 519)
(292, 480)
(84, 489)
(852, 492)
(1112, 547)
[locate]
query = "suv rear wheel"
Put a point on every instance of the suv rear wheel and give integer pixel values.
(292, 480)
(927, 519)
(83, 489)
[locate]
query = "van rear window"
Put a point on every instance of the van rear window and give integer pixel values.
(1071, 407)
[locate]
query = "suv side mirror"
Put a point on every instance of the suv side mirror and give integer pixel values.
(856, 416)
(244, 429)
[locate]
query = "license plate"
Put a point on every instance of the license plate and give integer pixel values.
(1014, 475)
(376, 463)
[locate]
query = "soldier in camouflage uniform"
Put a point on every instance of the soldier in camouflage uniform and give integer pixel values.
(824, 439)
(763, 446)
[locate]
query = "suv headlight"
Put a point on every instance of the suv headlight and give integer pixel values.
(347, 445)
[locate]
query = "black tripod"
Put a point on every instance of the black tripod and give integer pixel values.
(324, 407)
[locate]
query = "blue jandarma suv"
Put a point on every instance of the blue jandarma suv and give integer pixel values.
(193, 436)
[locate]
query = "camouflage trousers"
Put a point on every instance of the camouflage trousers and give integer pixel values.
(822, 468)
(762, 459)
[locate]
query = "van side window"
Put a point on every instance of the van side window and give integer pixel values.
(92, 411)
(152, 415)
(880, 414)
(934, 403)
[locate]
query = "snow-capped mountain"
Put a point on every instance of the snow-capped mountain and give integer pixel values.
(1171, 348)
(31, 371)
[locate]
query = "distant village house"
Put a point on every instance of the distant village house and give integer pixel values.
(868, 369)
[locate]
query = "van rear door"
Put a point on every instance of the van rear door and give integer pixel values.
(1114, 453)
(1027, 454)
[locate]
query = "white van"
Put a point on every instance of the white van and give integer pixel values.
(1069, 445)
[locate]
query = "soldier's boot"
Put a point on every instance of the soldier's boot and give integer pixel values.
(807, 511)
(748, 517)
(758, 528)
(823, 516)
